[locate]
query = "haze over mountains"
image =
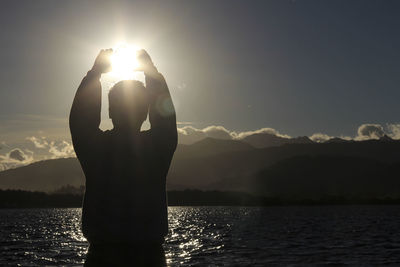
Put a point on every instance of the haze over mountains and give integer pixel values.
(264, 164)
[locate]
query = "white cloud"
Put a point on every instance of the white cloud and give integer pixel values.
(190, 134)
(57, 149)
(38, 142)
(15, 158)
(345, 137)
(369, 131)
(271, 131)
(394, 131)
(218, 132)
(320, 137)
(62, 149)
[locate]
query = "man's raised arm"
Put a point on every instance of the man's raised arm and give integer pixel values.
(162, 115)
(84, 118)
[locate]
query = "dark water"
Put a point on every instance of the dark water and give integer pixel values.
(228, 236)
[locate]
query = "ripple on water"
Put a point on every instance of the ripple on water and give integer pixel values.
(357, 235)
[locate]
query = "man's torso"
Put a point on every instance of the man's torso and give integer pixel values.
(125, 199)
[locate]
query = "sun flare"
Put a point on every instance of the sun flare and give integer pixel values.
(124, 61)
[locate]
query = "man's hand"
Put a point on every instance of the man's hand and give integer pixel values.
(145, 63)
(102, 64)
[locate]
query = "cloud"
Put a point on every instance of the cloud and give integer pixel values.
(218, 132)
(44, 149)
(271, 131)
(394, 131)
(50, 149)
(345, 137)
(38, 142)
(365, 131)
(62, 149)
(369, 131)
(190, 134)
(320, 137)
(15, 158)
(17, 154)
(57, 149)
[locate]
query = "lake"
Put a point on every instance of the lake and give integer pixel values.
(228, 236)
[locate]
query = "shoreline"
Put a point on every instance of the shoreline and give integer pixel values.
(19, 199)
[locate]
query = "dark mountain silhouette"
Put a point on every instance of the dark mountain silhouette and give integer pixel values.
(263, 140)
(338, 140)
(386, 138)
(210, 146)
(213, 164)
(319, 176)
(233, 171)
(47, 175)
(50, 175)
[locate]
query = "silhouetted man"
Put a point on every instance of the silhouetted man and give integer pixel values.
(124, 214)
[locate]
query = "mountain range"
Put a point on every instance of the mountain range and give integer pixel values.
(269, 166)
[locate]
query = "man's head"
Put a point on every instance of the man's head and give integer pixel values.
(128, 104)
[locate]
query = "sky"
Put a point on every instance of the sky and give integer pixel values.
(295, 67)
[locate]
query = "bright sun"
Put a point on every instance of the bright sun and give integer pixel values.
(124, 62)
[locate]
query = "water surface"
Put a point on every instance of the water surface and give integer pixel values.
(253, 236)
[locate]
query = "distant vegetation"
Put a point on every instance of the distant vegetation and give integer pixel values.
(26, 199)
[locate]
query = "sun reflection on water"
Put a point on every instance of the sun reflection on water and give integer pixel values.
(198, 236)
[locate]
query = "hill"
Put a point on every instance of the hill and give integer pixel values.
(47, 175)
(234, 170)
(213, 164)
(264, 140)
(211, 146)
(316, 177)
